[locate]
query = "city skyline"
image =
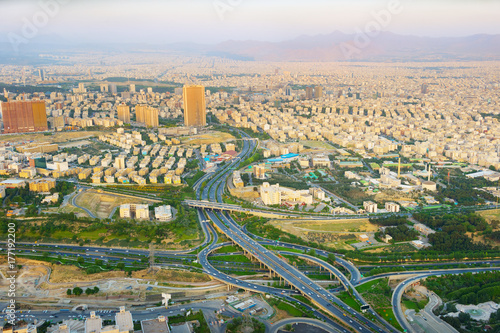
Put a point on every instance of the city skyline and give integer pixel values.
(250, 166)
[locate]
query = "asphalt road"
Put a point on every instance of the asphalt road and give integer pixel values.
(425, 321)
(293, 276)
(312, 322)
(73, 202)
(400, 288)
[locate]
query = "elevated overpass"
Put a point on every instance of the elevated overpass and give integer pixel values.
(205, 204)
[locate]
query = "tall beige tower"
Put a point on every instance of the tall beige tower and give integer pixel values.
(124, 113)
(140, 113)
(151, 117)
(194, 106)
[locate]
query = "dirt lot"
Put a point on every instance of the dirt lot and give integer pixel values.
(358, 225)
(102, 204)
(66, 273)
(172, 275)
(72, 209)
(390, 195)
(56, 137)
(246, 193)
(339, 234)
(491, 216)
(279, 314)
(208, 138)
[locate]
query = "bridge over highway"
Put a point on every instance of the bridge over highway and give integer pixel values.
(205, 204)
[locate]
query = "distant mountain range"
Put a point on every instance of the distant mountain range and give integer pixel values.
(336, 46)
(386, 46)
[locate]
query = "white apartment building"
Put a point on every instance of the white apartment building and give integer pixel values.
(135, 211)
(163, 213)
(392, 207)
(370, 206)
(270, 194)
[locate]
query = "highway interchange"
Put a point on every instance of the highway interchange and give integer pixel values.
(213, 215)
(213, 192)
(318, 295)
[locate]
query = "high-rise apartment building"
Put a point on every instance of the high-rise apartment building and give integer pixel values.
(318, 92)
(132, 88)
(42, 185)
(424, 88)
(270, 194)
(259, 171)
(57, 122)
(120, 162)
(124, 113)
(309, 92)
(151, 117)
(194, 106)
(135, 211)
(147, 115)
(140, 113)
(23, 116)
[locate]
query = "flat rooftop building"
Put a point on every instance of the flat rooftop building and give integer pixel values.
(157, 325)
(124, 321)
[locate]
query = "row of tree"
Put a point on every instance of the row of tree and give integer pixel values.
(77, 291)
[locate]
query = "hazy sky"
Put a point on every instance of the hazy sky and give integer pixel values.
(209, 21)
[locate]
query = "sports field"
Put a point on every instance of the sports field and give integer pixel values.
(316, 144)
(207, 138)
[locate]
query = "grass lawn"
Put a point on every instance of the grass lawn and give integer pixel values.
(62, 234)
(290, 309)
(490, 215)
(367, 286)
(411, 305)
(347, 299)
(303, 299)
(141, 238)
(280, 248)
(180, 236)
(92, 235)
(232, 258)
(229, 249)
(378, 294)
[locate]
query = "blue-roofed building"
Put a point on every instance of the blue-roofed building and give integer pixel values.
(291, 155)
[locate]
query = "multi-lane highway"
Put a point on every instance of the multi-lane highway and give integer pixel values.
(209, 191)
(400, 289)
(213, 191)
